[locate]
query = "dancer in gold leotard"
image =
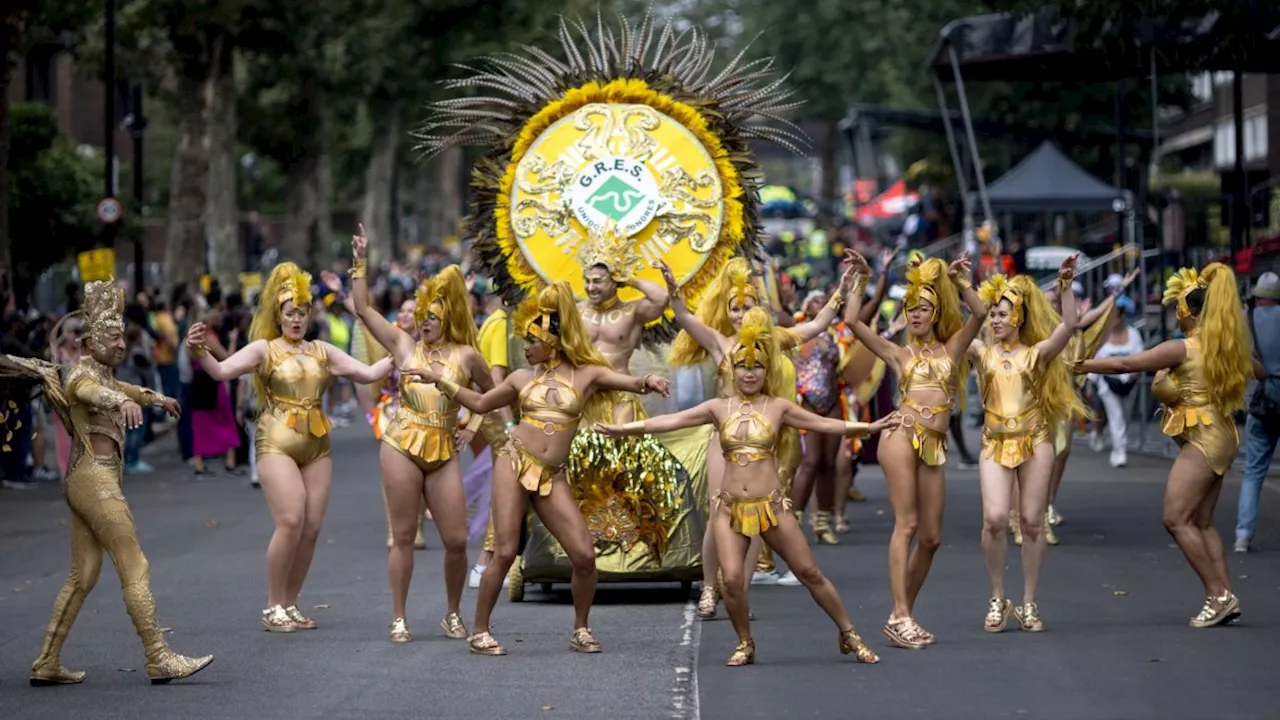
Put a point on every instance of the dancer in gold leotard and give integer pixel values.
(929, 368)
(749, 501)
(710, 333)
(419, 448)
(1200, 380)
(568, 373)
(290, 376)
(1026, 391)
(97, 409)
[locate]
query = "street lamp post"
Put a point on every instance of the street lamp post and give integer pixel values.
(136, 122)
(109, 124)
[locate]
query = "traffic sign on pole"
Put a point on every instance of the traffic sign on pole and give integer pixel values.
(109, 210)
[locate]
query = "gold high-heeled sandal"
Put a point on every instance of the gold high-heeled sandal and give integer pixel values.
(842, 525)
(1050, 535)
(851, 642)
(822, 529)
(1015, 527)
(744, 654)
(707, 602)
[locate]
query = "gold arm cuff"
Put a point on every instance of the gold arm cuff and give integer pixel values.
(635, 427)
(448, 387)
(475, 422)
(962, 282)
(856, 429)
(198, 351)
(358, 269)
(838, 298)
(1064, 282)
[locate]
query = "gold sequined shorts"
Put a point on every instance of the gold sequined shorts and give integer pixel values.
(1013, 441)
(275, 437)
(751, 516)
(533, 474)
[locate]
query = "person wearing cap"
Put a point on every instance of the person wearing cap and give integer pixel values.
(1262, 428)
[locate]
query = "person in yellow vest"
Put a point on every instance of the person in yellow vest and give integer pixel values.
(492, 341)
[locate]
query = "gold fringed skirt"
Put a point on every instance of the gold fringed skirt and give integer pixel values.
(1012, 441)
(752, 516)
(930, 445)
(534, 475)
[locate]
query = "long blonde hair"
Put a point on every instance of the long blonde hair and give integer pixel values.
(1059, 400)
(447, 288)
(933, 274)
(713, 311)
(554, 311)
(287, 281)
(1225, 344)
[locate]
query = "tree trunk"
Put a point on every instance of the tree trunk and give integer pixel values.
(322, 242)
(185, 255)
(223, 227)
(299, 210)
(377, 205)
(439, 195)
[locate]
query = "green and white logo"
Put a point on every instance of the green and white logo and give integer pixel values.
(618, 190)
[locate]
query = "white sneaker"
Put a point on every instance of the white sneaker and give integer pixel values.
(789, 580)
(1096, 442)
(1242, 545)
(473, 578)
(1119, 458)
(765, 578)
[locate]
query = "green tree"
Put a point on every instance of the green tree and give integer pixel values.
(23, 24)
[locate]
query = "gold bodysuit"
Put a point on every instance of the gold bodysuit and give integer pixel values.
(746, 435)
(424, 426)
(294, 423)
(1014, 423)
(927, 371)
(1190, 415)
(551, 405)
(101, 521)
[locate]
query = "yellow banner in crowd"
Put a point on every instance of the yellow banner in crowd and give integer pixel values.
(99, 264)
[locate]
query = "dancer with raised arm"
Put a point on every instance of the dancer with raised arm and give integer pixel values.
(567, 375)
(929, 369)
(290, 375)
(97, 409)
(419, 454)
(1201, 381)
(710, 334)
(749, 501)
(1026, 390)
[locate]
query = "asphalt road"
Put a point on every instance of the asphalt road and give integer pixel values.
(1116, 597)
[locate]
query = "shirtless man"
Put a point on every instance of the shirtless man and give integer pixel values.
(615, 326)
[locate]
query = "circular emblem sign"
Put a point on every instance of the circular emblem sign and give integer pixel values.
(627, 168)
(615, 190)
(109, 210)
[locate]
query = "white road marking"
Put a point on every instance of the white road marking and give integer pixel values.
(684, 700)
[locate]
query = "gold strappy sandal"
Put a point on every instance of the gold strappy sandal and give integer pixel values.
(707, 602)
(851, 642)
(484, 644)
(904, 633)
(1028, 616)
(453, 626)
(744, 654)
(583, 641)
(302, 621)
(998, 611)
(400, 631)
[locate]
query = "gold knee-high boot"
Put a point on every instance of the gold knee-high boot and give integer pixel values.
(47, 669)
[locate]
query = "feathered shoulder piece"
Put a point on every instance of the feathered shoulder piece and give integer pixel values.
(1181, 284)
(627, 129)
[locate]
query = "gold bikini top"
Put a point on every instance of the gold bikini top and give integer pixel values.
(928, 369)
(550, 403)
(746, 434)
(1010, 382)
(296, 376)
(423, 402)
(1183, 385)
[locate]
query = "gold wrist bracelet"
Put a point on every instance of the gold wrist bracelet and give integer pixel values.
(198, 351)
(358, 269)
(475, 422)
(448, 387)
(854, 429)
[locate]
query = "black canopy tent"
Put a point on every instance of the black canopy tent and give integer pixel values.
(1044, 46)
(1049, 181)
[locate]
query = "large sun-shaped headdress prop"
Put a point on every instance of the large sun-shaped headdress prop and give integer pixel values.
(630, 129)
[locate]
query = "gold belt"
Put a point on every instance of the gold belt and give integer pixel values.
(746, 457)
(925, 412)
(429, 419)
(1014, 423)
(311, 408)
(546, 426)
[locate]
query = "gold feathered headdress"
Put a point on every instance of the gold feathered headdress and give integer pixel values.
(633, 125)
(429, 299)
(103, 310)
(297, 287)
(1183, 283)
(997, 288)
(538, 321)
(615, 251)
(920, 279)
(739, 283)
